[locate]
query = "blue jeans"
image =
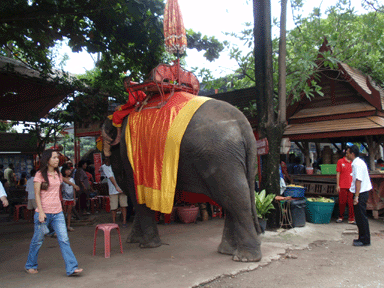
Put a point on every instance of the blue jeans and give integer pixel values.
(57, 222)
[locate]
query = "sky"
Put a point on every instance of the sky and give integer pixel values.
(211, 18)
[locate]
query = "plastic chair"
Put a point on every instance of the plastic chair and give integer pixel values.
(107, 238)
(107, 204)
(94, 203)
(17, 211)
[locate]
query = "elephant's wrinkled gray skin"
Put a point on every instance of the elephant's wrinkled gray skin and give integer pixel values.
(218, 159)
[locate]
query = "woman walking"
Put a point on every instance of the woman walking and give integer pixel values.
(49, 213)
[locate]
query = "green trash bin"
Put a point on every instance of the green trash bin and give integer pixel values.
(319, 212)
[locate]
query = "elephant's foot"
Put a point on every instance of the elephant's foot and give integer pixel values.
(245, 255)
(226, 248)
(135, 236)
(134, 239)
(152, 244)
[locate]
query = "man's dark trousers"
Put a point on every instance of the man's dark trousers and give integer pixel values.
(362, 219)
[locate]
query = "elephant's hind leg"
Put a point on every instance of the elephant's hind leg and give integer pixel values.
(228, 243)
(240, 237)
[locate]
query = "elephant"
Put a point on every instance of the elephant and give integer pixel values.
(218, 159)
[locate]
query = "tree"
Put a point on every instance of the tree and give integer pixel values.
(6, 126)
(127, 36)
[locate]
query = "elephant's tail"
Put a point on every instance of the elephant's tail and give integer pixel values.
(251, 174)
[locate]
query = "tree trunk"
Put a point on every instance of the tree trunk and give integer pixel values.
(270, 125)
(282, 64)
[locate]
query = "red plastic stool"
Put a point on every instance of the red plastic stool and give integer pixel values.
(101, 202)
(94, 203)
(107, 238)
(107, 204)
(17, 211)
(27, 214)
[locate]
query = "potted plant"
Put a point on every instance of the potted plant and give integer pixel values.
(263, 207)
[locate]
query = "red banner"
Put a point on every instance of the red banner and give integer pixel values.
(97, 162)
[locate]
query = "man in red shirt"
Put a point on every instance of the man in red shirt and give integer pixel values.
(122, 111)
(343, 183)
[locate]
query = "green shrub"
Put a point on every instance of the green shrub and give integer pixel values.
(263, 203)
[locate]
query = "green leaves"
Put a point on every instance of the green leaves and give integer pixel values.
(263, 203)
(211, 45)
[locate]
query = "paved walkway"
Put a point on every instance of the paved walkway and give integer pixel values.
(188, 259)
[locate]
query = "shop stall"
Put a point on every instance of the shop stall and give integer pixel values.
(351, 110)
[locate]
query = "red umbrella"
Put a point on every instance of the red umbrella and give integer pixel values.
(174, 30)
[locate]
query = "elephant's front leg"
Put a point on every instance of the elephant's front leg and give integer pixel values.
(136, 234)
(149, 236)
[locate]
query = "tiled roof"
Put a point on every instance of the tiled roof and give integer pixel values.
(318, 129)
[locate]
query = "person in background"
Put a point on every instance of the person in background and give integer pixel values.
(283, 186)
(380, 164)
(69, 195)
(88, 171)
(23, 179)
(9, 174)
(298, 168)
(47, 183)
(1, 172)
(3, 195)
(284, 170)
(82, 181)
(360, 187)
(31, 191)
(343, 183)
(116, 195)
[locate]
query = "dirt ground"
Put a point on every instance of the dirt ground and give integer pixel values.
(189, 258)
(322, 264)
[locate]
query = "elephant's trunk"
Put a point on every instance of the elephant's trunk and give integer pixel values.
(106, 143)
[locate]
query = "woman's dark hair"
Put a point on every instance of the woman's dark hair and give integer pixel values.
(32, 172)
(64, 168)
(47, 154)
(81, 163)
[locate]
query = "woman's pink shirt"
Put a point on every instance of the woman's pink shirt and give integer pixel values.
(50, 198)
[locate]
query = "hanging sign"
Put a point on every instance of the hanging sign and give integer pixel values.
(262, 146)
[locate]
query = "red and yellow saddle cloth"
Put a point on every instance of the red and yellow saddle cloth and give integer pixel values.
(153, 143)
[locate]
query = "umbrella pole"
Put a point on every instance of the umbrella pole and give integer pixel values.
(178, 67)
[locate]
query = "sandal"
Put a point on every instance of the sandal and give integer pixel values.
(31, 271)
(352, 222)
(339, 220)
(70, 229)
(76, 272)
